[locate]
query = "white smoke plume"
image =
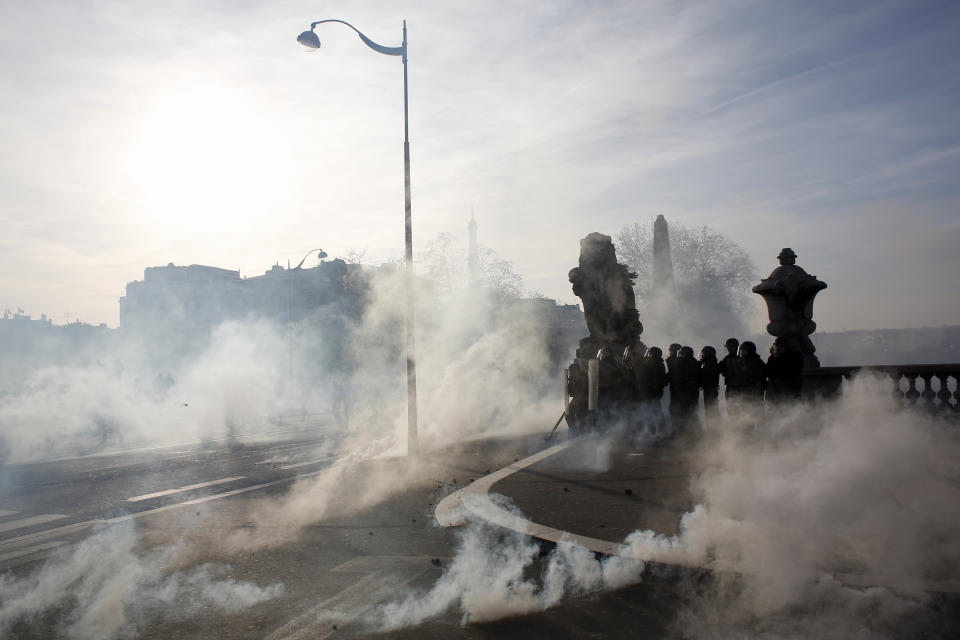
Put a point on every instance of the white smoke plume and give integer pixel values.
(251, 371)
(825, 522)
(105, 588)
(488, 579)
(482, 372)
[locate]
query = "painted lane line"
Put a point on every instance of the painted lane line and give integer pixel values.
(170, 445)
(29, 522)
(41, 536)
(297, 465)
(191, 487)
(450, 511)
(12, 555)
(4, 513)
(274, 451)
(46, 534)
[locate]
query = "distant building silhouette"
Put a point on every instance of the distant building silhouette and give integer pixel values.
(198, 298)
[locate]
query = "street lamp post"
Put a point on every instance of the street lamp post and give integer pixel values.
(311, 42)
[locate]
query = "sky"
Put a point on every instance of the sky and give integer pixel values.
(135, 134)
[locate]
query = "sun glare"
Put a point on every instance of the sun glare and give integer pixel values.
(208, 158)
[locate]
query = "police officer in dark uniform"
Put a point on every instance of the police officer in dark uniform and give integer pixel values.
(751, 380)
(578, 416)
(709, 382)
(784, 373)
(652, 379)
(728, 364)
(684, 389)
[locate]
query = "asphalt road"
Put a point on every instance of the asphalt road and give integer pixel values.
(47, 504)
(367, 549)
(190, 498)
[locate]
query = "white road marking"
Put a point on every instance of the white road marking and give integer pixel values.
(4, 513)
(191, 487)
(19, 553)
(253, 436)
(47, 534)
(297, 465)
(450, 511)
(275, 451)
(29, 522)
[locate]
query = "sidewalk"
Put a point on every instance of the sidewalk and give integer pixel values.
(604, 494)
(587, 491)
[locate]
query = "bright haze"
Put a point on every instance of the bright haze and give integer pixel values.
(139, 133)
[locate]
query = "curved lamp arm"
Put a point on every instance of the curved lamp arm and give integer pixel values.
(321, 256)
(310, 40)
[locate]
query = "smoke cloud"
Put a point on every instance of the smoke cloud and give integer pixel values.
(105, 588)
(832, 521)
(483, 371)
(488, 579)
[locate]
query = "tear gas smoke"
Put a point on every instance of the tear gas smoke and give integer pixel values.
(487, 579)
(482, 372)
(107, 588)
(817, 523)
(249, 372)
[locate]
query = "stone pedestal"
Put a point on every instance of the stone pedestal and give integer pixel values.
(789, 292)
(609, 307)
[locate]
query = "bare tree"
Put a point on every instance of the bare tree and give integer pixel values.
(712, 277)
(444, 263)
(354, 256)
(497, 275)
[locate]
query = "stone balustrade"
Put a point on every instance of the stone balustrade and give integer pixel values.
(934, 387)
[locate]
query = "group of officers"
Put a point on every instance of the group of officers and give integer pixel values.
(632, 384)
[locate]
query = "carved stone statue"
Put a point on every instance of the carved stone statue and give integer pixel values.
(789, 292)
(606, 289)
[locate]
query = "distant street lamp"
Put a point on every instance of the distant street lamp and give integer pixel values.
(320, 256)
(311, 42)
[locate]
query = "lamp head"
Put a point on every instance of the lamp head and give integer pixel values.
(309, 40)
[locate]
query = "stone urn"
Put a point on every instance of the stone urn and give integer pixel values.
(789, 292)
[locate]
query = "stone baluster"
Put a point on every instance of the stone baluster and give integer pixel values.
(897, 392)
(944, 393)
(912, 394)
(928, 394)
(956, 393)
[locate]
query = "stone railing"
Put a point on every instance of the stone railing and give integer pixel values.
(934, 387)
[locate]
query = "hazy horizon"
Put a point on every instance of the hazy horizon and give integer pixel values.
(138, 134)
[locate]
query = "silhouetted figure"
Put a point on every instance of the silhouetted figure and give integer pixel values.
(727, 367)
(750, 381)
(709, 381)
(632, 364)
(578, 414)
(651, 379)
(784, 373)
(673, 351)
(684, 377)
(614, 388)
(632, 359)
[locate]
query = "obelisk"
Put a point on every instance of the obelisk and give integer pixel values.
(662, 263)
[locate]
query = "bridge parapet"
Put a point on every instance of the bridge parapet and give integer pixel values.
(933, 387)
